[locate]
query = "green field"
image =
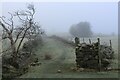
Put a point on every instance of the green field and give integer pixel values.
(63, 58)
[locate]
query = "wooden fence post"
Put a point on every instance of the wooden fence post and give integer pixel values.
(110, 44)
(76, 41)
(99, 55)
(89, 41)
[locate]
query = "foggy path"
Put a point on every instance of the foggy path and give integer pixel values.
(59, 51)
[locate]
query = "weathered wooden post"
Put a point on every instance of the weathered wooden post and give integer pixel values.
(99, 55)
(89, 41)
(110, 44)
(76, 41)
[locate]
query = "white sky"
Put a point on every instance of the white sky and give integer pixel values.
(58, 17)
(59, 0)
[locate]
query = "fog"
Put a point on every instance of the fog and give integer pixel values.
(58, 17)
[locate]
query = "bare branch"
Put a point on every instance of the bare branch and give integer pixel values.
(4, 21)
(32, 8)
(4, 27)
(12, 23)
(18, 35)
(24, 34)
(18, 15)
(28, 12)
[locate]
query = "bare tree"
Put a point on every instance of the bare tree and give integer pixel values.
(8, 28)
(14, 33)
(82, 29)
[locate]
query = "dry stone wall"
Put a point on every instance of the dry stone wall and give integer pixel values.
(93, 56)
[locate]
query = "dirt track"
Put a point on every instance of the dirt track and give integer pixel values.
(60, 55)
